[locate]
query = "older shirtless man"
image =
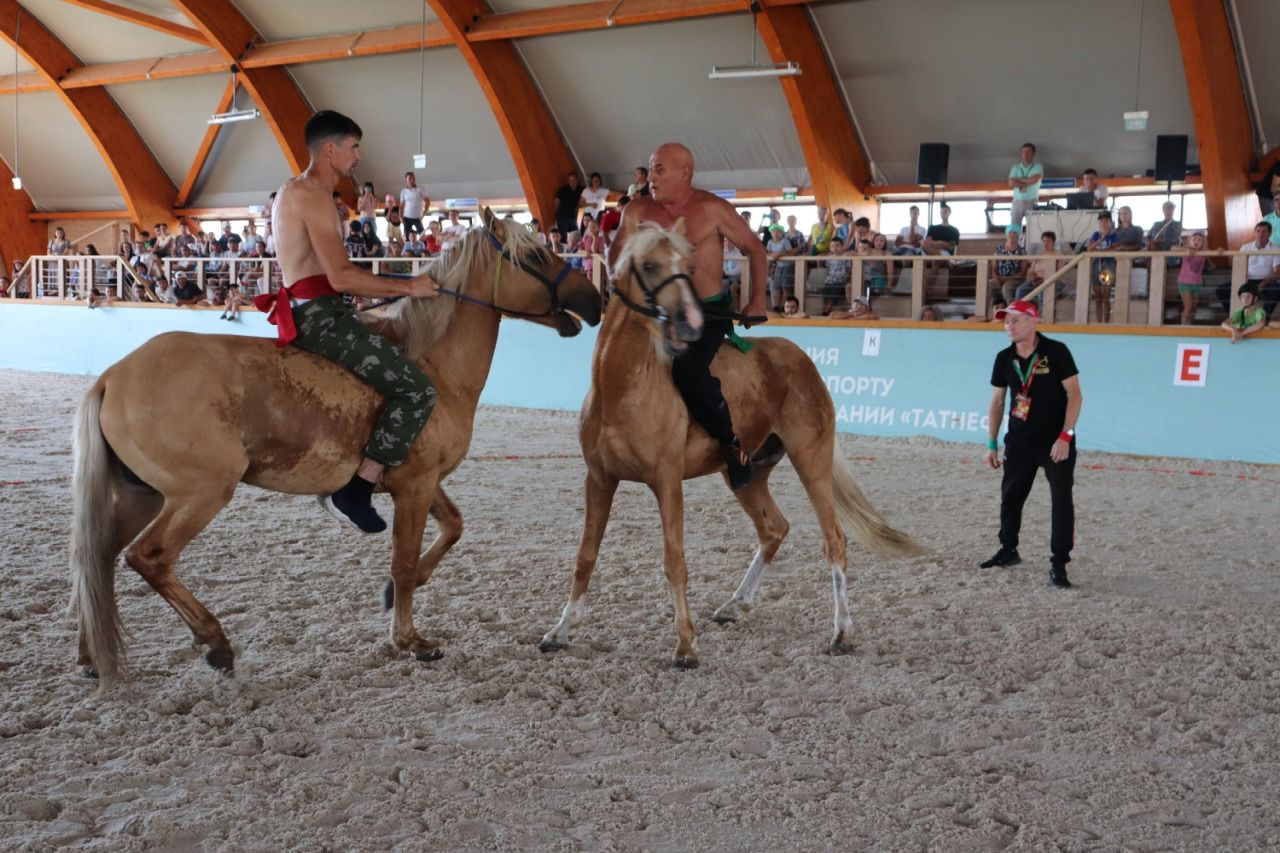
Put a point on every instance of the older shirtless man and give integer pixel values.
(709, 221)
(311, 315)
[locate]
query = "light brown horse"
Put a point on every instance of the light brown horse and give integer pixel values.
(159, 453)
(636, 427)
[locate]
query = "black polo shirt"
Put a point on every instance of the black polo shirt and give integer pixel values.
(1053, 364)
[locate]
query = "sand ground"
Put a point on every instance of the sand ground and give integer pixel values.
(981, 710)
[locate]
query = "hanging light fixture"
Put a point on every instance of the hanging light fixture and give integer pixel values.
(17, 34)
(420, 159)
(754, 69)
(1136, 119)
(234, 114)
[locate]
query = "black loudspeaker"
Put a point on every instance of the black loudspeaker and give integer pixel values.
(1171, 158)
(931, 166)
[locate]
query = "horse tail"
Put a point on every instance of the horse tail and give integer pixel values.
(861, 520)
(93, 542)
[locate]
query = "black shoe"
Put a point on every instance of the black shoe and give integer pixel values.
(740, 468)
(352, 505)
(1003, 557)
(1058, 577)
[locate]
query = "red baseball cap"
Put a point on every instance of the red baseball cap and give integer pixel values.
(1019, 306)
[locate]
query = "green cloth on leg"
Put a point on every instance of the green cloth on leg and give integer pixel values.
(742, 344)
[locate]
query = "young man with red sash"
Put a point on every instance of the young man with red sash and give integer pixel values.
(1042, 420)
(310, 314)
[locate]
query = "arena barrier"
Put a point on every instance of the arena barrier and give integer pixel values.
(1190, 394)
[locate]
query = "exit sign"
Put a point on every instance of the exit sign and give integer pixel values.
(788, 196)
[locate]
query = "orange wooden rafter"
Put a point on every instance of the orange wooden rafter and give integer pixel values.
(541, 156)
(1223, 129)
(133, 16)
(20, 235)
(283, 106)
(837, 167)
(206, 145)
(146, 189)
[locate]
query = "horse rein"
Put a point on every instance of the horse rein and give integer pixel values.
(651, 309)
(552, 286)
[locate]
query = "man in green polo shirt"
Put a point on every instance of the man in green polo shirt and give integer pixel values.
(1025, 177)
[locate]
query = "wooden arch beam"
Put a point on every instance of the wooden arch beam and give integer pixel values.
(838, 169)
(147, 190)
(133, 16)
(281, 101)
(1223, 129)
(541, 155)
(20, 235)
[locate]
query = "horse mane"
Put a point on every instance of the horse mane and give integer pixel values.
(418, 323)
(642, 240)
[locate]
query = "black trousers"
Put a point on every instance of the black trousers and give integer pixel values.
(701, 392)
(1022, 458)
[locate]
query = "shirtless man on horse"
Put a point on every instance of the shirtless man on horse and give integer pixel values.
(708, 220)
(311, 314)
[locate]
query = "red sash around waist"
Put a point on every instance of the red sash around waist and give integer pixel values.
(280, 312)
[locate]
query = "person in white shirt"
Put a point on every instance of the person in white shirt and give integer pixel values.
(594, 196)
(1025, 177)
(414, 204)
(911, 237)
(453, 232)
(1263, 270)
(1089, 183)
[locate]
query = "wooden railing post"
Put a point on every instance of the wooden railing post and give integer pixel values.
(917, 286)
(1155, 288)
(1084, 293)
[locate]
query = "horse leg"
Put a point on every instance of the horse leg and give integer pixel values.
(411, 510)
(599, 491)
(670, 496)
(135, 506)
(449, 526)
(814, 467)
(771, 529)
(154, 553)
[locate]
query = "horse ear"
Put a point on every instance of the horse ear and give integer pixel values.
(487, 217)
(679, 226)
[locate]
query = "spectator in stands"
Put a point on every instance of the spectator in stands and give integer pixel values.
(859, 309)
(184, 260)
(795, 236)
(344, 212)
(998, 303)
(929, 314)
(770, 219)
(5, 287)
(268, 240)
(394, 231)
(250, 240)
(185, 291)
(875, 274)
(791, 308)
(1129, 237)
(367, 205)
(453, 232)
(640, 183)
(59, 244)
(1273, 219)
(1024, 178)
(1165, 235)
(434, 242)
(821, 233)
(843, 222)
(1044, 266)
(910, 238)
(184, 237)
(372, 245)
(206, 246)
(1089, 183)
(567, 199)
(594, 198)
(231, 305)
(1249, 318)
(1010, 270)
(835, 291)
(413, 246)
(1263, 271)
(1103, 270)
(414, 204)
(553, 240)
(611, 219)
(731, 272)
(592, 244)
(19, 280)
(355, 240)
(224, 242)
(395, 249)
(777, 247)
(862, 228)
(574, 250)
(942, 238)
(271, 203)
(163, 247)
(1191, 277)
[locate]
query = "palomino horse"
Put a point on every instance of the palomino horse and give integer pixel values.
(635, 427)
(157, 455)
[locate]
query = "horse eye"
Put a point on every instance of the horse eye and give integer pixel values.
(692, 269)
(650, 266)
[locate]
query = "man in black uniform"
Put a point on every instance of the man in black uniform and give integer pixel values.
(1042, 419)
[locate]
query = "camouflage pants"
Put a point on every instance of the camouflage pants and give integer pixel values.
(329, 328)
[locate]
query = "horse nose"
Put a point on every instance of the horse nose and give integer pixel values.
(689, 323)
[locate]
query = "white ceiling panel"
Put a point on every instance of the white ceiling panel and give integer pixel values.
(59, 165)
(7, 56)
(466, 153)
(172, 115)
(1260, 26)
(619, 93)
(94, 37)
(987, 75)
(244, 166)
(275, 20)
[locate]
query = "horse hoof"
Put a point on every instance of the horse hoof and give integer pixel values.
(388, 596)
(724, 618)
(88, 672)
(223, 660)
(839, 648)
(428, 655)
(685, 662)
(548, 646)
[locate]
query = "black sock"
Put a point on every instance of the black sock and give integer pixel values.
(359, 490)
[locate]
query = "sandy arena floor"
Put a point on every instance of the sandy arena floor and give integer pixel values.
(982, 710)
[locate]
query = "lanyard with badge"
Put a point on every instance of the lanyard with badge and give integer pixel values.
(1022, 400)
